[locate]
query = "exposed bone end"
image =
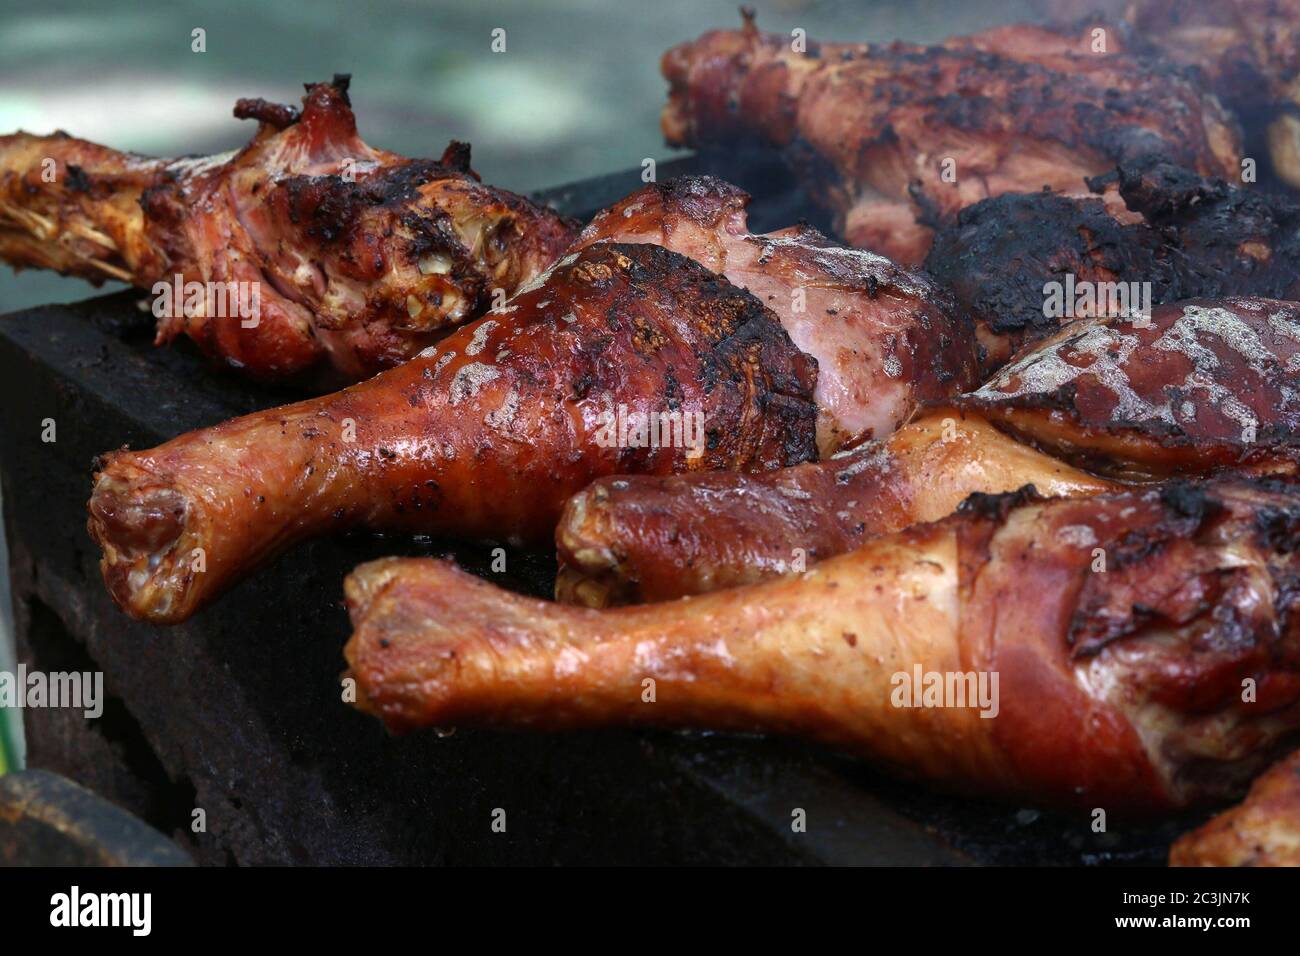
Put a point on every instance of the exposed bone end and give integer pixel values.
(431, 644)
(149, 561)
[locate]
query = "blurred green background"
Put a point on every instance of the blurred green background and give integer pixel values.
(576, 93)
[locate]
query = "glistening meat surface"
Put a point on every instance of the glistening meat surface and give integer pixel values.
(483, 436)
(1118, 688)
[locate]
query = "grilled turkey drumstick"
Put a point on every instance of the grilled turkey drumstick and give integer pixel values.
(484, 435)
(633, 540)
(1119, 689)
(360, 258)
(591, 338)
(1207, 386)
(894, 138)
(1263, 830)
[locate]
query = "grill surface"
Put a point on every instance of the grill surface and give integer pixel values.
(238, 711)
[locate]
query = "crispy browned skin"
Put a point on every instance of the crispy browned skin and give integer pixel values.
(1263, 830)
(1119, 689)
(1197, 237)
(869, 126)
(485, 435)
(361, 257)
(1179, 398)
(885, 339)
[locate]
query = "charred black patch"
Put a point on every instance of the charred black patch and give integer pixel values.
(341, 82)
(997, 507)
(1190, 502)
(683, 334)
(1001, 252)
(1279, 527)
(1201, 238)
(433, 230)
(78, 181)
(332, 207)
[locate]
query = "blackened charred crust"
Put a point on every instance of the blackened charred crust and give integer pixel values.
(1162, 569)
(996, 507)
(78, 181)
(999, 254)
(652, 325)
(1189, 501)
(1279, 527)
(1200, 237)
(1230, 240)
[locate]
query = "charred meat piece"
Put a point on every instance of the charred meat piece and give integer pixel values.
(897, 138)
(484, 435)
(1063, 686)
(1197, 237)
(1209, 386)
(1002, 257)
(1248, 52)
(1250, 49)
(884, 339)
(1225, 239)
(1263, 830)
(342, 258)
